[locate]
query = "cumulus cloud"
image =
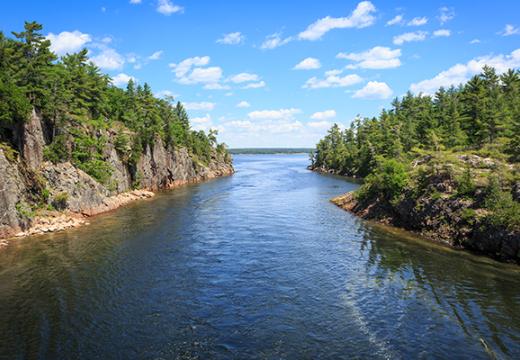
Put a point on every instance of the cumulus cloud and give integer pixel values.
(442, 33)
(203, 105)
(475, 41)
(243, 104)
(446, 14)
(418, 21)
(194, 71)
(275, 40)
(274, 114)
(243, 77)
(233, 38)
(323, 124)
(396, 20)
(108, 59)
(122, 79)
(68, 42)
(156, 55)
(135, 2)
(308, 64)
(374, 90)
(461, 73)
(378, 57)
(510, 30)
(255, 85)
(332, 79)
(166, 7)
(361, 17)
(324, 115)
(409, 37)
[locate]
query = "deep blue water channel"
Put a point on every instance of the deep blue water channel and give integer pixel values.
(257, 265)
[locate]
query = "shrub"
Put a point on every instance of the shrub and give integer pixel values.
(60, 201)
(388, 180)
(56, 151)
(465, 183)
(98, 169)
(504, 211)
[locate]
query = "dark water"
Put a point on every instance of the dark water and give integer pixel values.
(258, 265)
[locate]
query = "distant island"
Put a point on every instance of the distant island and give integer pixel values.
(270, 151)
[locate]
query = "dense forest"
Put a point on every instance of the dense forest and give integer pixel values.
(77, 101)
(461, 143)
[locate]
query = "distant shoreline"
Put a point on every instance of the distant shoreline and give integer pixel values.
(269, 151)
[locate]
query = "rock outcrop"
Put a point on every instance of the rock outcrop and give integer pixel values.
(28, 182)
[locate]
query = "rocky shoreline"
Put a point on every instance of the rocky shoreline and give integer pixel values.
(55, 221)
(439, 221)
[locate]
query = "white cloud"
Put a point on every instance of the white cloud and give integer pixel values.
(255, 85)
(108, 59)
(201, 120)
(374, 90)
(332, 79)
(397, 20)
(418, 21)
(68, 42)
(156, 55)
(216, 86)
(243, 104)
(274, 114)
(233, 38)
(164, 93)
(378, 57)
(323, 115)
(361, 17)
(320, 124)
(203, 105)
(193, 71)
(446, 14)
(243, 77)
(409, 37)
(274, 40)
(166, 7)
(461, 73)
(475, 41)
(308, 64)
(135, 2)
(510, 30)
(442, 33)
(122, 79)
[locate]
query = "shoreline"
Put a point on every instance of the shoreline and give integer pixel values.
(55, 221)
(347, 203)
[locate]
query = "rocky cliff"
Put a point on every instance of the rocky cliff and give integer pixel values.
(30, 186)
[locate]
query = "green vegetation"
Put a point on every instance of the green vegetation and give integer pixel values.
(79, 106)
(462, 143)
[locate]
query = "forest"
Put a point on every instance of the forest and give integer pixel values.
(469, 136)
(76, 100)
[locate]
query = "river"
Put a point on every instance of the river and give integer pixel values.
(257, 265)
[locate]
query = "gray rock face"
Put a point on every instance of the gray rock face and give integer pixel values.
(33, 141)
(84, 194)
(12, 188)
(22, 183)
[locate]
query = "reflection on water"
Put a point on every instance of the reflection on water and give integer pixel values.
(257, 265)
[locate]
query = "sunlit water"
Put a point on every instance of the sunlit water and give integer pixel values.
(257, 265)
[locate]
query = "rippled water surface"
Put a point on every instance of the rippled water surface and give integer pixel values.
(257, 265)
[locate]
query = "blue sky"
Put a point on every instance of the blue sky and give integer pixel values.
(279, 73)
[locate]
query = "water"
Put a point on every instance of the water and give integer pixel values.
(258, 265)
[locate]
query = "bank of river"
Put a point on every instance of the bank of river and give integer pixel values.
(257, 265)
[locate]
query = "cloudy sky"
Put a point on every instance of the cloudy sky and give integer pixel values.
(279, 73)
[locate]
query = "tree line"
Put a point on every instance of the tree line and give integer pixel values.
(76, 100)
(483, 114)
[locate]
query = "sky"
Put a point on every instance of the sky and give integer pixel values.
(280, 73)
